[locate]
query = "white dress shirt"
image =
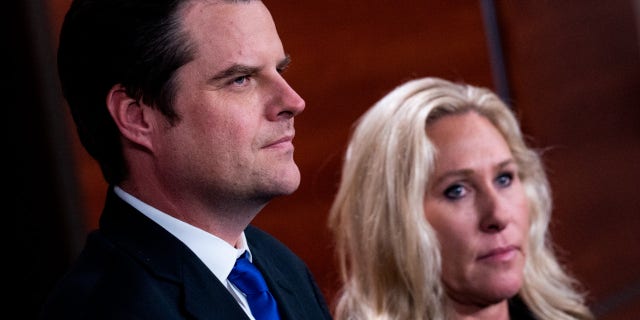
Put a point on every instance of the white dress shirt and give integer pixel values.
(218, 255)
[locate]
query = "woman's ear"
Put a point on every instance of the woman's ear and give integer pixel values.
(130, 116)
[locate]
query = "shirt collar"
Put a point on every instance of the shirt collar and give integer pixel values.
(218, 255)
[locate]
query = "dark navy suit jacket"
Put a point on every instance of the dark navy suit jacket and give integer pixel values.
(131, 268)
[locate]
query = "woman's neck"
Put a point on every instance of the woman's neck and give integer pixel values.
(497, 311)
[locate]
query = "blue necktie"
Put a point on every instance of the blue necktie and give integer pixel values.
(248, 279)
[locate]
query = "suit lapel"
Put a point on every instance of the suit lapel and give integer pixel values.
(168, 260)
(281, 290)
(206, 297)
(279, 284)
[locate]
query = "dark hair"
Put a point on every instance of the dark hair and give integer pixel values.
(139, 44)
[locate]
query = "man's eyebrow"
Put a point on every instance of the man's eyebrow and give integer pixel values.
(284, 63)
(241, 69)
(234, 71)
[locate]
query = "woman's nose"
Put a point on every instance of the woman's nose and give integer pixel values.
(495, 215)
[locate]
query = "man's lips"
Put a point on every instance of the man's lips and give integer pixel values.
(500, 253)
(284, 140)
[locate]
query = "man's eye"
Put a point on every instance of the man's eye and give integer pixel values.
(505, 179)
(240, 80)
(455, 192)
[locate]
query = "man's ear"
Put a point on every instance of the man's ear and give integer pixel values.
(129, 116)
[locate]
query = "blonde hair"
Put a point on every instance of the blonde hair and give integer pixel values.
(388, 254)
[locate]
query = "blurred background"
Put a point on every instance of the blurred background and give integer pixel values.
(570, 69)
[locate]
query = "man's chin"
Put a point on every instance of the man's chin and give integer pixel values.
(285, 182)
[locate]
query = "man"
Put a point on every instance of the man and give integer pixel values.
(183, 105)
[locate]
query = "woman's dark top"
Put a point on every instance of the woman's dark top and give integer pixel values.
(518, 310)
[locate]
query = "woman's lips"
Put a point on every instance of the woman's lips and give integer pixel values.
(500, 254)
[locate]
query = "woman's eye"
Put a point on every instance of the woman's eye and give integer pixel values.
(504, 179)
(455, 192)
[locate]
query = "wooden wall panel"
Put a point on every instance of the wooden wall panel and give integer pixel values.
(574, 71)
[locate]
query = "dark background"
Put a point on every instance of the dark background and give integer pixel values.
(570, 69)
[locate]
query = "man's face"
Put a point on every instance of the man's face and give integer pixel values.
(233, 144)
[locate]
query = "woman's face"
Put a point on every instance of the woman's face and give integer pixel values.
(476, 203)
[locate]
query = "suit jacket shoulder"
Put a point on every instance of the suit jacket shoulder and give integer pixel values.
(131, 268)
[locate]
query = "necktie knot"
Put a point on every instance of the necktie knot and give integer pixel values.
(246, 277)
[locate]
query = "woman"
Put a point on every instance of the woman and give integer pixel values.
(443, 213)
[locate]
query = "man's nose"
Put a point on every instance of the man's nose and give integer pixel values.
(286, 102)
